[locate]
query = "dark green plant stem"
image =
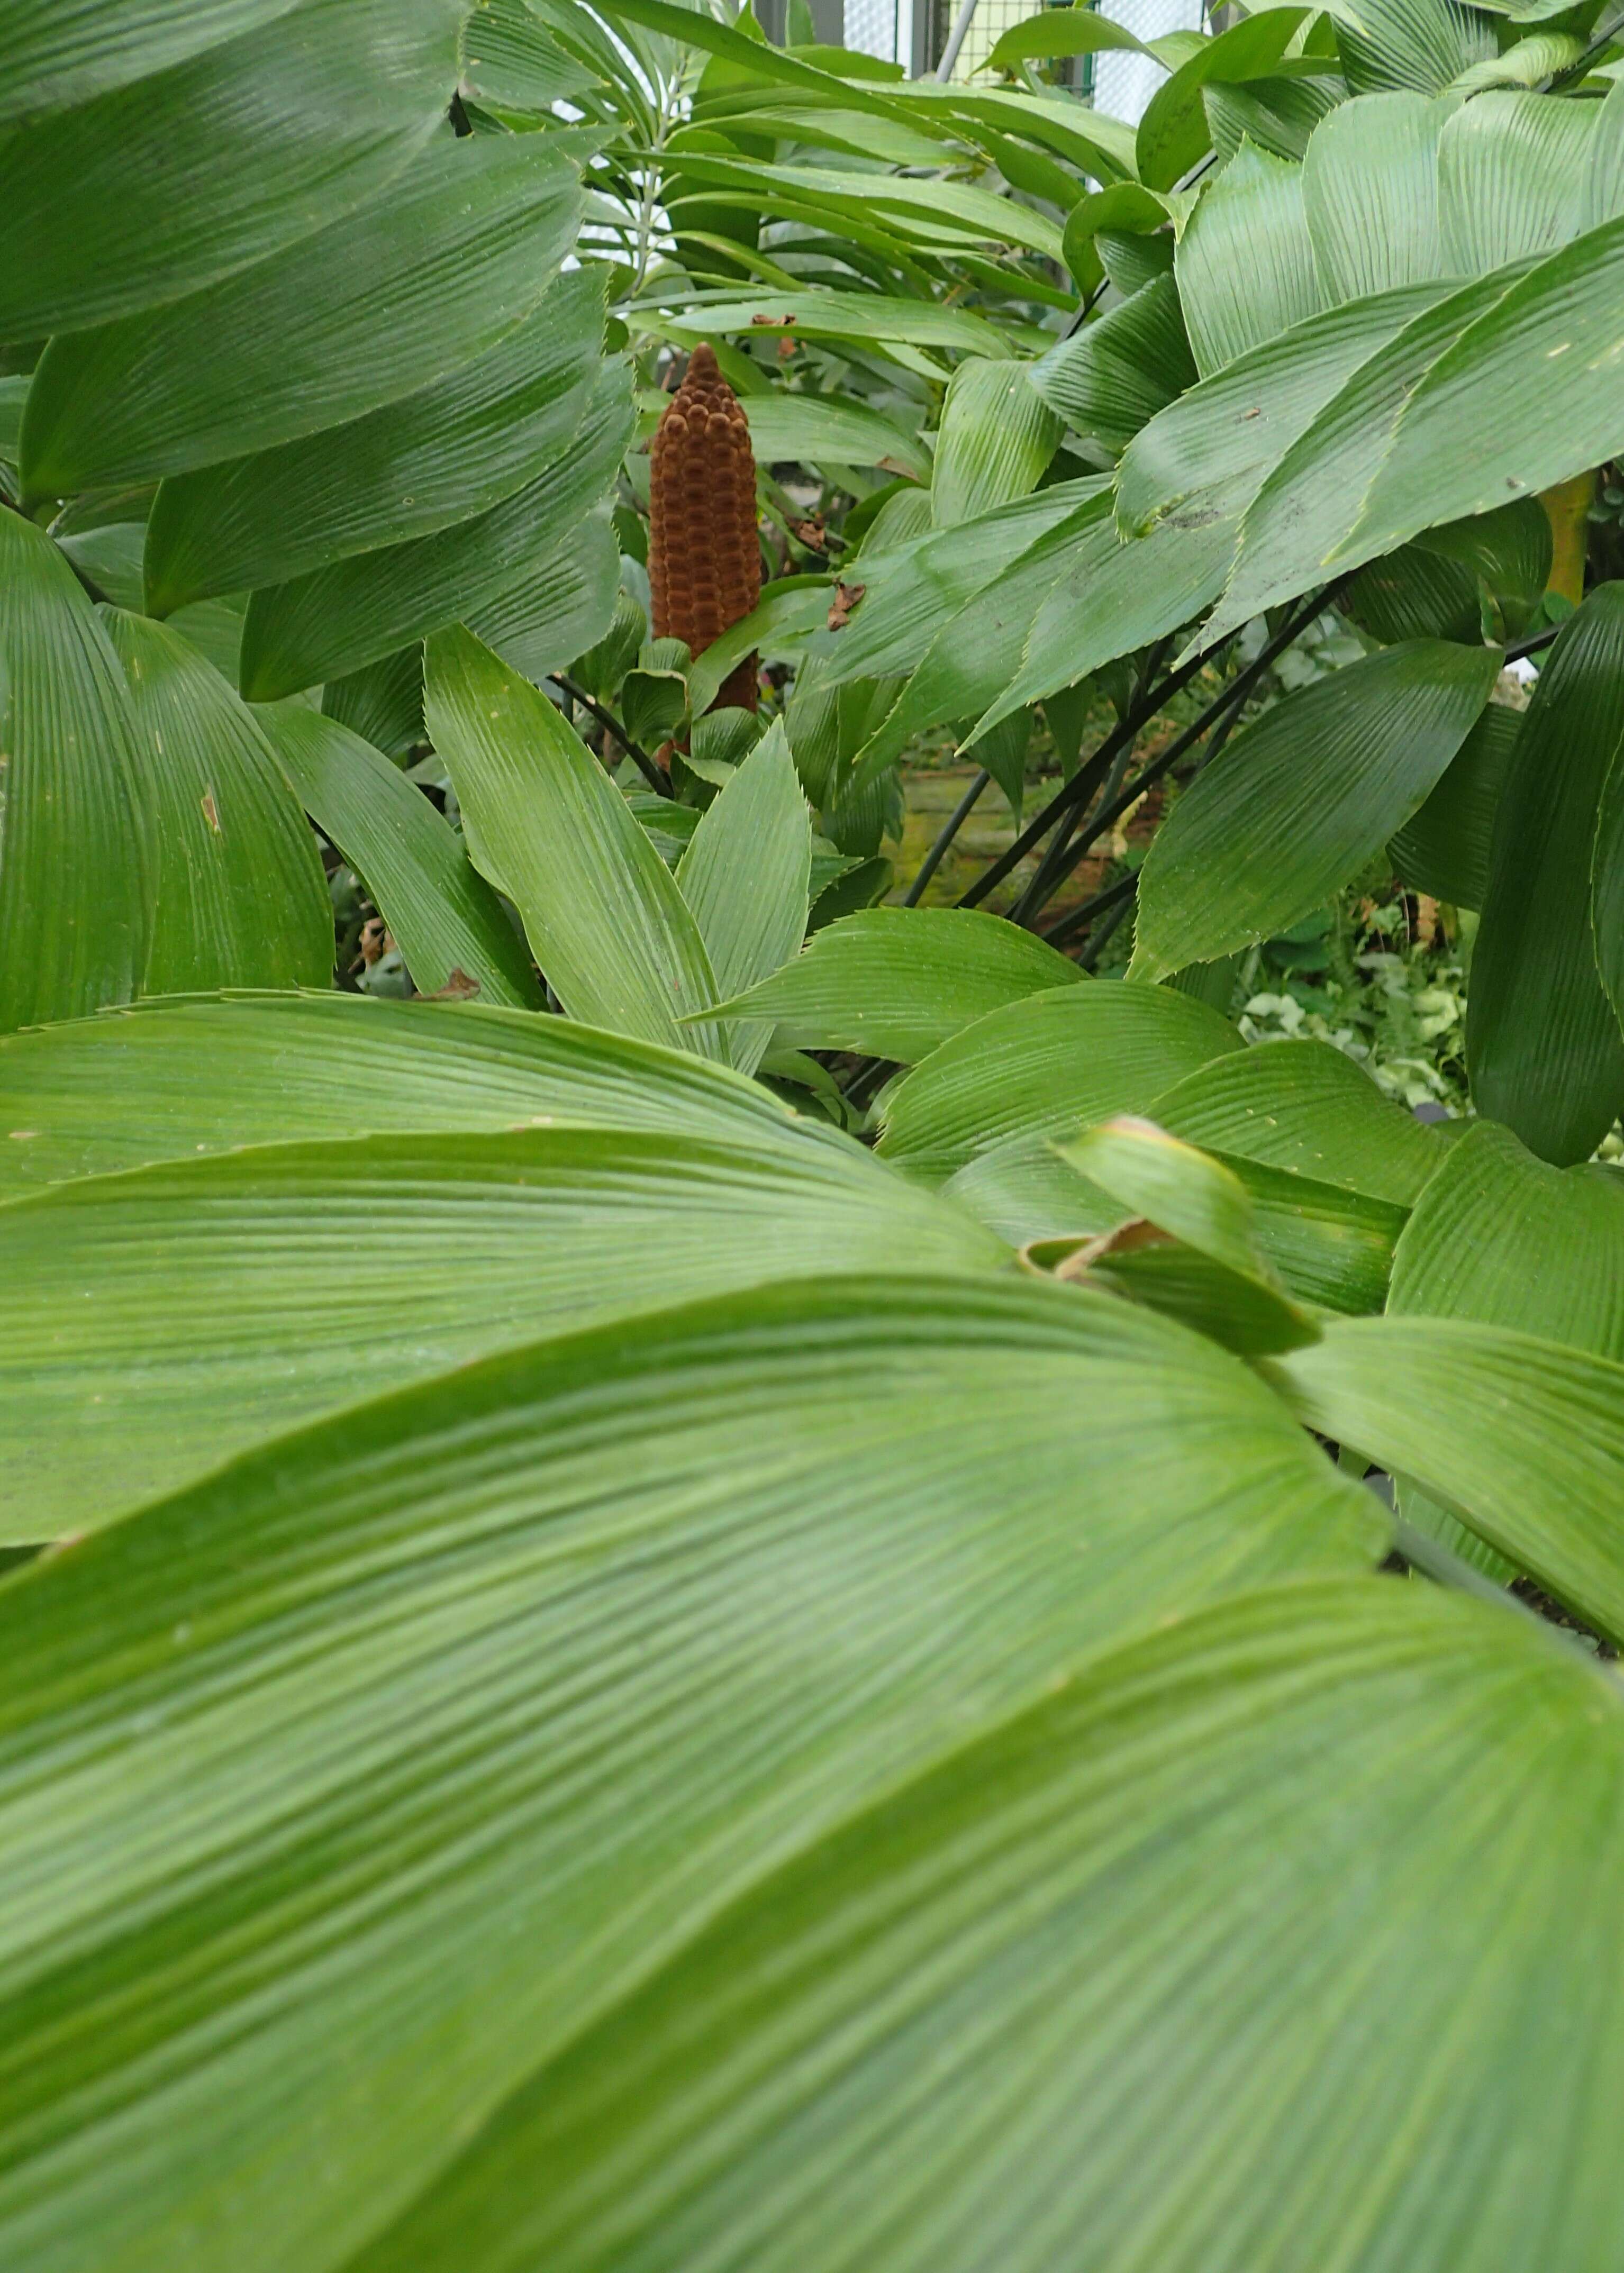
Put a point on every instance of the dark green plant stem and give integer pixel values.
(937, 853)
(1520, 649)
(1038, 889)
(1077, 919)
(1230, 700)
(1125, 887)
(606, 719)
(1085, 781)
(1101, 933)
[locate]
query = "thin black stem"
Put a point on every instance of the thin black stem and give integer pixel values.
(937, 853)
(639, 757)
(1229, 701)
(1520, 648)
(1079, 918)
(1087, 779)
(1106, 926)
(1037, 890)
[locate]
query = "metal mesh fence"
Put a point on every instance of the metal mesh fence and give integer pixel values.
(877, 28)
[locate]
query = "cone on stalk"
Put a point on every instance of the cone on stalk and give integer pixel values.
(704, 561)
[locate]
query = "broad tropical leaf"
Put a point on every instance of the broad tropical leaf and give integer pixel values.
(287, 1068)
(1305, 1109)
(1446, 845)
(1545, 1048)
(1344, 1795)
(75, 874)
(200, 1306)
(272, 135)
(240, 898)
(1246, 263)
(52, 54)
(437, 456)
(898, 982)
(746, 876)
(998, 435)
(545, 825)
(1369, 195)
(510, 1744)
(1050, 1065)
(337, 619)
(448, 924)
(1521, 1437)
(1300, 801)
(358, 314)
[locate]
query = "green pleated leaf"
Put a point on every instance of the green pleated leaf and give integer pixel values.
(1066, 31)
(1521, 1438)
(1523, 399)
(200, 1306)
(1292, 537)
(1544, 1044)
(1208, 1269)
(746, 876)
(511, 63)
(1246, 264)
(816, 429)
(982, 214)
(1414, 595)
(1173, 132)
(445, 918)
(979, 649)
(898, 982)
(156, 190)
(1299, 802)
(548, 1669)
(1607, 887)
(1604, 178)
(1511, 177)
(963, 2029)
(997, 439)
(1109, 599)
(1330, 1245)
(1280, 113)
(548, 828)
(362, 312)
(1424, 44)
(911, 588)
(778, 629)
(1444, 847)
(75, 886)
(1205, 456)
(1307, 1109)
(816, 313)
(1500, 1237)
(55, 52)
(560, 607)
(382, 702)
(240, 896)
(437, 456)
(334, 619)
(290, 1068)
(1048, 1066)
(1369, 195)
(1114, 374)
(1123, 224)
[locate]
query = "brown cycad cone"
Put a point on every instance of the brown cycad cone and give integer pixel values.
(704, 563)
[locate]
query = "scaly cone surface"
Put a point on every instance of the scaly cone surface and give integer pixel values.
(704, 562)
